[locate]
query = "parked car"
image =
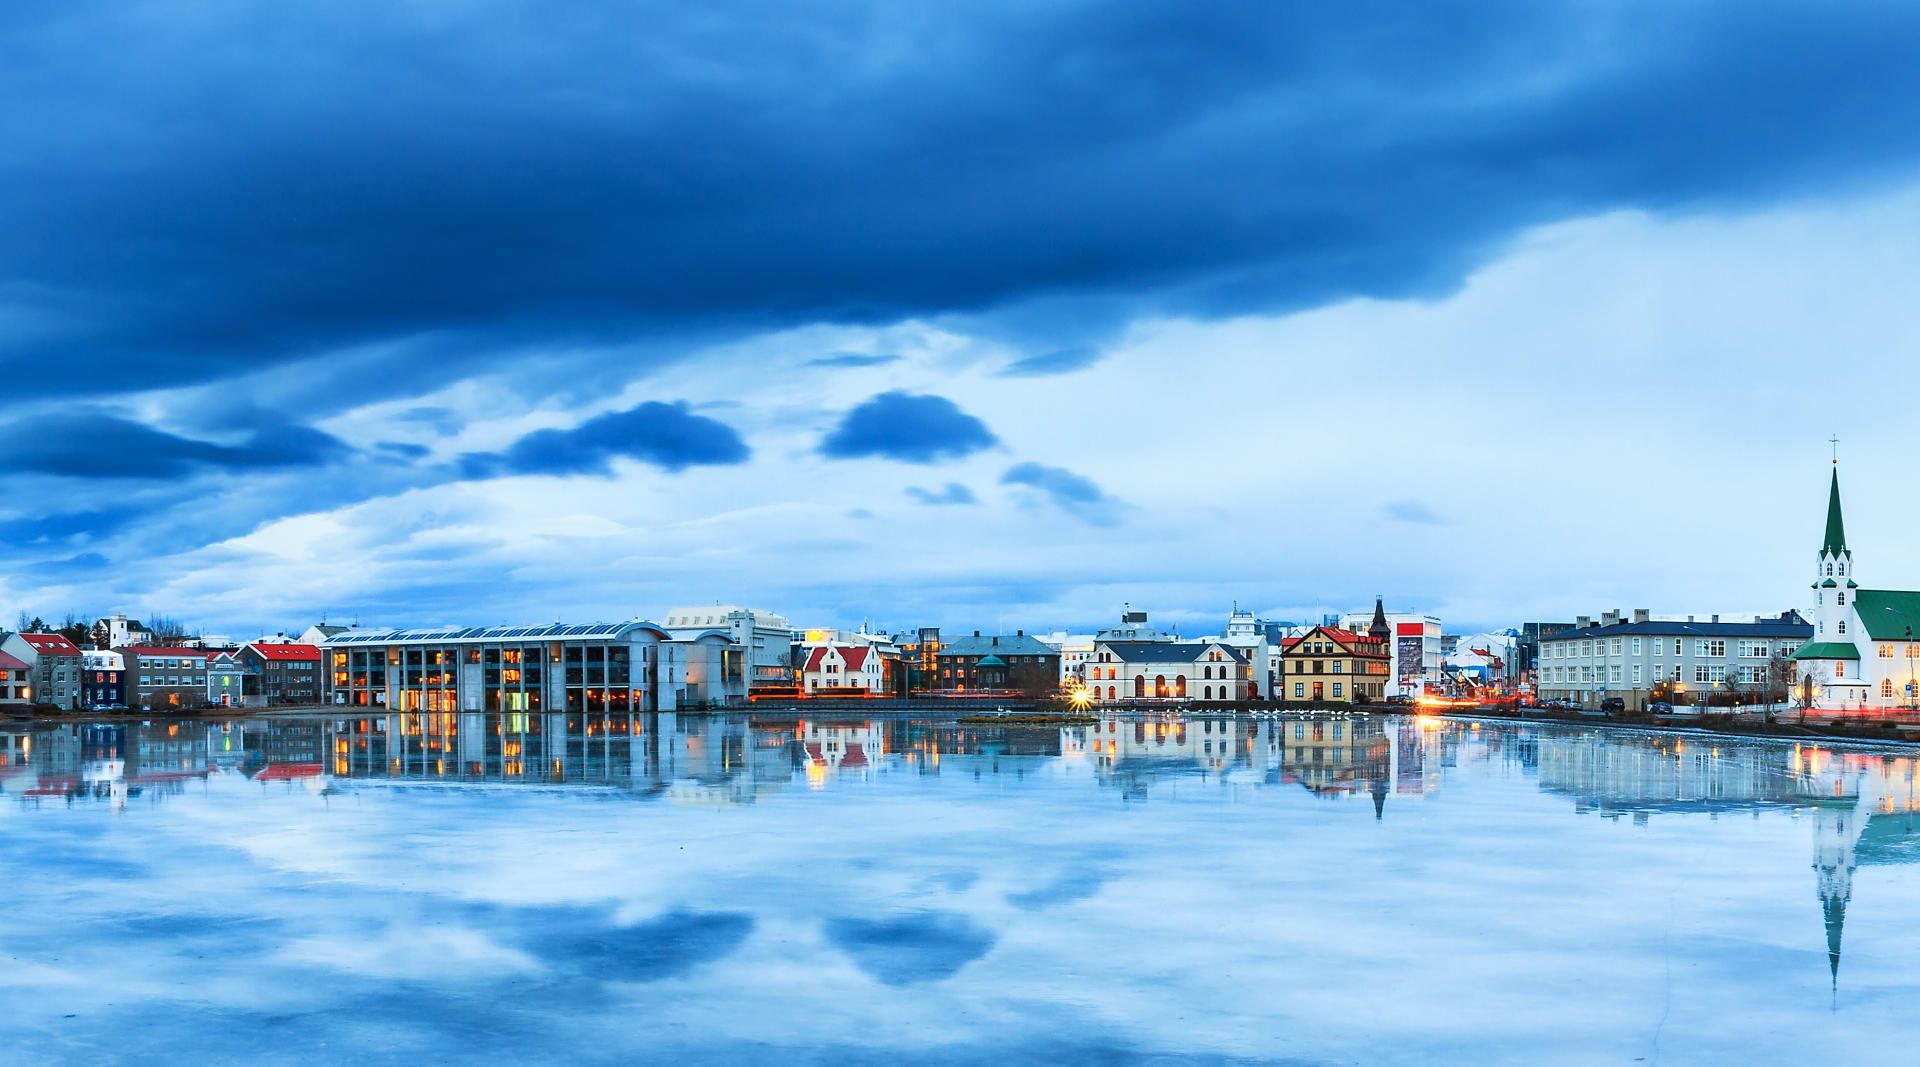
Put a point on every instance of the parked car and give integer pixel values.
(1614, 705)
(1660, 707)
(1399, 700)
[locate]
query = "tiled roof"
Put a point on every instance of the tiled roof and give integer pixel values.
(53, 644)
(854, 655)
(277, 651)
(164, 650)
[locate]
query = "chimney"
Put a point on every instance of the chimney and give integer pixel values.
(1019, 633)
(996, 642)
(1642, 615)
(976, 633)
(1689, 618)
(1608, 618)
(1716, 618)
(1581, 622)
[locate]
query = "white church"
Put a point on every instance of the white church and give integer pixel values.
(1866, 642)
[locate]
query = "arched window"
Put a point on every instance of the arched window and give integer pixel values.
(1139, 685)
(1843, 626)
(1840, 668)
(1110, 693)
(1180, 685)
(1829, 570)
(1159, 685)
(1208, 692)
(1886, 687)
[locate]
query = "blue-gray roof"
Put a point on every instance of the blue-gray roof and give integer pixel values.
(1000, 645)
(1789, 625)
(457, 634)
(1168, 651)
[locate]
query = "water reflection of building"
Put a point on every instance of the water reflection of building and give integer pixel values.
(107, 762)
(1330, 755)
(1860, 808)
(1612, 774)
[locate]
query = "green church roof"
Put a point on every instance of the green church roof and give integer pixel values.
(1827, 650)
(1887, 613)
(1835, 543)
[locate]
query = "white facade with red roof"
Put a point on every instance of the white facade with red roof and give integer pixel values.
(844, 667)
(54, 663)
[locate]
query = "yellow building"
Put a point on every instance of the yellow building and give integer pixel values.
(1328, 665)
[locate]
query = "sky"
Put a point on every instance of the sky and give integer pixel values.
(988, 316)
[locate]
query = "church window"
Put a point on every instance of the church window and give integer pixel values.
(1829, 570)
(1886, 687)
(1843, 626)
(1840, 668)
(1839, 596)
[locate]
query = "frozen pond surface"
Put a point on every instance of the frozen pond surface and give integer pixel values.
(409, 889)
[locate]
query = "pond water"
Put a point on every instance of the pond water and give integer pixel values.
(461, 888)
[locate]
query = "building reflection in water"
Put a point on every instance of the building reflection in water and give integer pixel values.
(1860, 806)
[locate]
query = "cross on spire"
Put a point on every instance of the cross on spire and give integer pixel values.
(1835, 442)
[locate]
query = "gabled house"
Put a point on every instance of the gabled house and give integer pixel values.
(55, 667)
(843, 667)
(1166, 670)
(1330, 665)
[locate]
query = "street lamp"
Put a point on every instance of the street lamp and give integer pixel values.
(1912, 692)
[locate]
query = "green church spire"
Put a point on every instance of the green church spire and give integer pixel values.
(1836, 540)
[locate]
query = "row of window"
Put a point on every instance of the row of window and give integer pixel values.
(1705, 647)
(1702, 672)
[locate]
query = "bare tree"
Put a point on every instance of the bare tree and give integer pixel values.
(1779, 683)
(166, 629)
(1803, 699)
(1735, 689)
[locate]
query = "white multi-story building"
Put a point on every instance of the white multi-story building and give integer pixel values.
(1075, 650)
(1165, 670)
(765, 638)
(1647, 658)
(1254, 639)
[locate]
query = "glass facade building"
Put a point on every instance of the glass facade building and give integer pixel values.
(614, 668)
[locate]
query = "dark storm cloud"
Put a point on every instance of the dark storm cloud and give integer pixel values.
(1062, 362)
(193, 192)
(912, 428)
(1073, 493)
(954, 493)
(667, 436)
(107, 446)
